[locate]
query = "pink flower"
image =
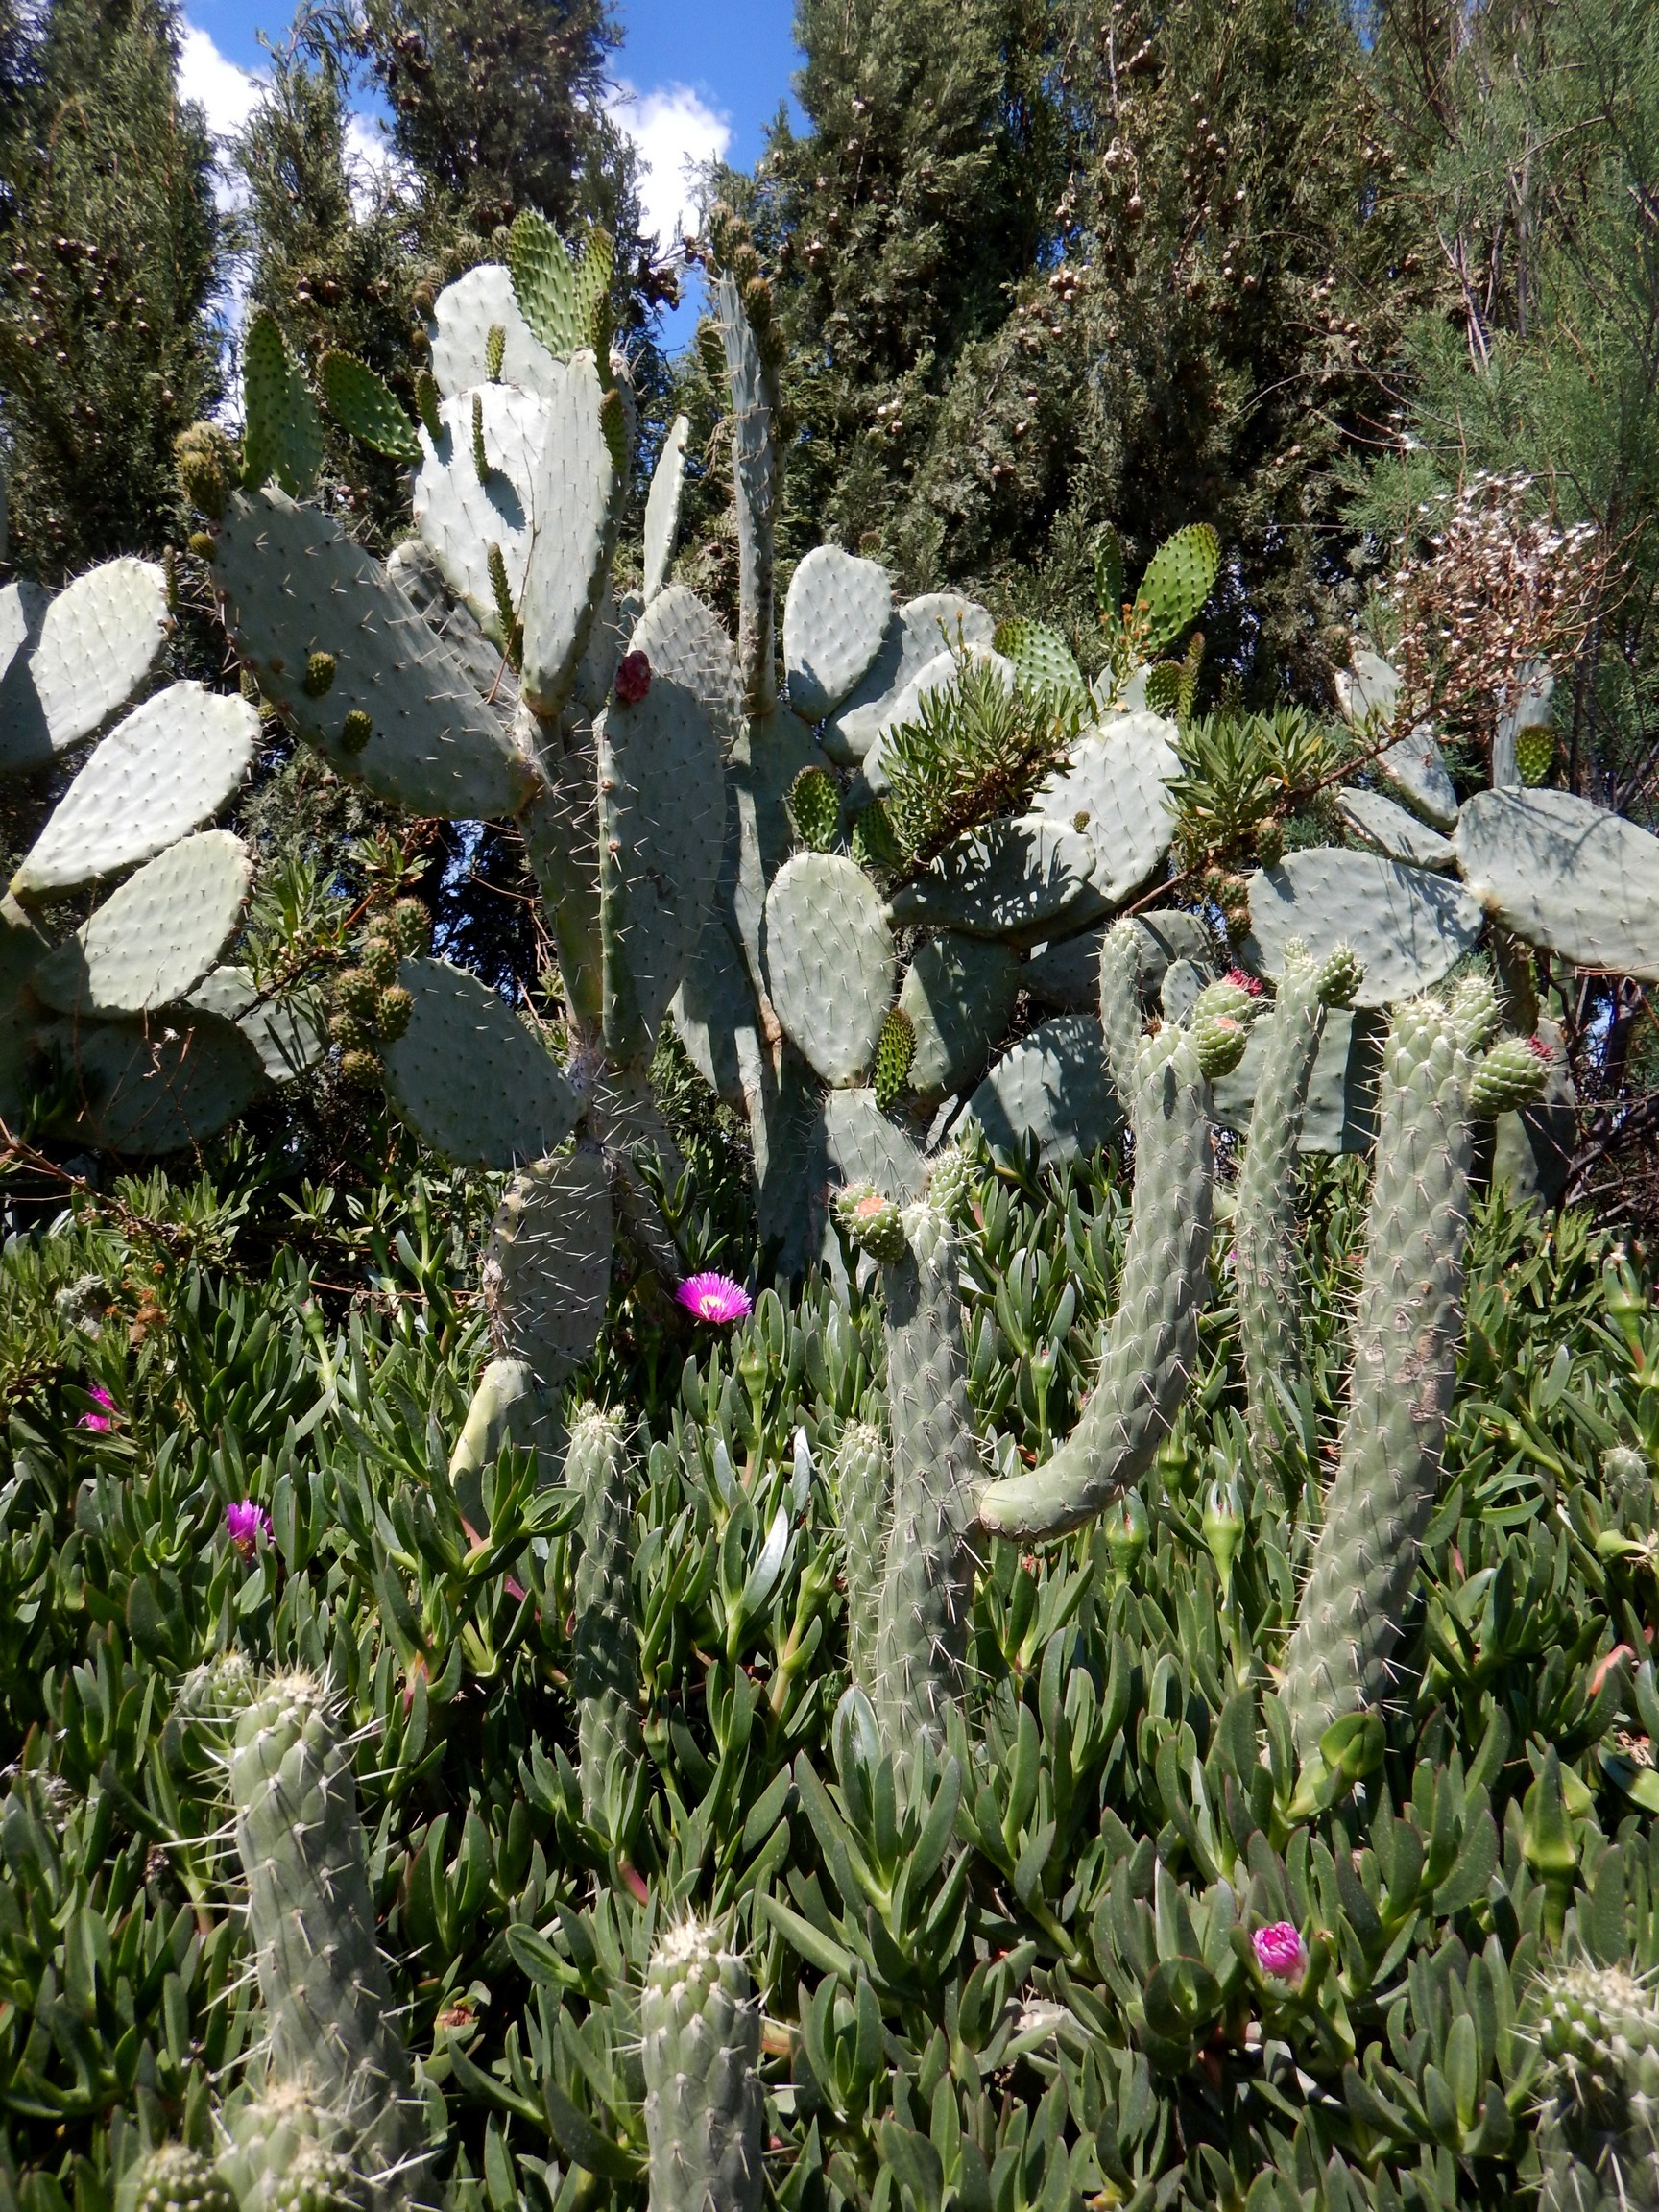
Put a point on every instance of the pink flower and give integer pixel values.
(715, 1298)
(633, 679)
(104, 1420)
(247, 1524)
(1240, 981)
(1280, 1950)
(1534, 1045)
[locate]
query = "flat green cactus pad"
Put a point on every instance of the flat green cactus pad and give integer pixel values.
(21, 945)
(917, 633)
(959, 993)
(662, 837)
(663, 507)
(363, 406)
(771, 752)
(563, 296)
(1065, 974)
(460, 517)
(862, 1145)
(612, 630)
(466, 313)
(571, 500)
(1052, 1085)
(1408, 927)
(1008, 879)
(469, 1078)
(1042, 659)
(98, 640)
(1393, 832)
(715, 1016)
(413, 567)
(1340, 1115)
(289, 1034)
(1116, 792)
(1179, 578)
(834, 620)
(829, 962)
(153, 941)
(1416, 767)
(682, 639)
(163, 770)
(1371, 686)
(547, 1270)
(157, 1084)
(281, 431)
(1565, 874)
(294, 583)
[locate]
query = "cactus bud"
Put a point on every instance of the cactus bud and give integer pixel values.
(1475, 1012)
(1341, 976)
(349, 1031)
(633, 679)
(895, 1053)
(874, 843)
(1625, 1469)
(951, 1182)
(870, 1222)
(480, 459)
(319, 674)
(1234, 997)
(494, 351)
(815, 809)
(379, 955)
(355, 990)
(1267, 841)
(613, 423)
(175, 2178)
(1128, 1531)
(1223, 1526)
(202, 544)
(426, 404)
(205, 462)
(1511, 1075)
(1221, 1041)
(392, 1011)
(361, 1070)
(411, 925)
(356, 731)
(499, 589)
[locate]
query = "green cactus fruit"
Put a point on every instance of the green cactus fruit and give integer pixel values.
(412, 926)
(1624, 1470)
(1128, 1531)
(480, 457)
(1509, 1076)
(604, 1672)
(494, 351)
(1534, 754)
(319, 674)
(1232, 997)
(861, 1506)
(1152, 1345)
(392, 1011)
(380, 956)
(311, 1922)
(705, 2111)
(873, 846)
(205, 460)
(175, 2178)
(937, 1461)
(362, 1069)
(349, 1031)
(356, 731)
(1476, 1012)
(202, 544)
(1179, 578)
(950, 1183)
(281, 436)
(1405, 1333)
(815, 809)
(895, 1054)
(355, 990)
(1221, 1041)
(870, 1222)
(364, 409)
(426, 404)
(1341, 976)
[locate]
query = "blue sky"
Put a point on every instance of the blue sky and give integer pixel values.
(695, 79)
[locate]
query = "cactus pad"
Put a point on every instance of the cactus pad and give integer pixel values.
(755, 492)
(1179, 578)
(863, 1507)
(683, 638)
(959, 993)
(564, 298)
(1041, 657)
(714, 1015)
(829, 962)
(1052, 1085)
(469, 1078)
(705, 2112)
(939, 674)
(294, 583)
(1392, 832)
(98, 640)
(548, 1271)
(1340, 1114)
(917, 634)
(462, 320)
(155, 939)
(663, 507)
(281, 434)
(835, 620)
(815, 809)
(460, 514)
(158, 1085)
(1408, 927)
(163, 771)
(572, 499)
(863, 1144)
(1565, 874)
(1369, 687)
(1007, 880)
(364, 408)
(1116, 792)
(605, 1664)
(1416, 767)
(21, 945)
(290, 1034)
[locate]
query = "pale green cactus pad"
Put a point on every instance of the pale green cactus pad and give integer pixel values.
(663, 507)
(413, 568)
(163, 770)
(1065, 974)
(754, 491)
(1039, 656)
(661, 835)
(834, 620)
(918, 632)
(24, 739)
(289, 1034)
(1340, 1112)
(829, 962)
(156, 1085)
(770, 752)
(958, 993)
(1008, 879)
(1116, 790)
(1393, 832)
(572, 501)
(939, 674)
(1369, 686)
(1185, 981)
(23, 609)
(548, 1271)
(862, 1145)
(294, 583)
(470, 1078)
(1052, 1085)
(1565, 874)
(714, 1015)
(683, 640)
(613, 625)
(466, 313)
(1416, 767)
(460, 517)
(153, 940)
(1408, 927)
(21, 945)
(98, 640)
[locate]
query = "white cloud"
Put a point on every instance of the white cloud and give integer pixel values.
(677, 133)
(227, 92)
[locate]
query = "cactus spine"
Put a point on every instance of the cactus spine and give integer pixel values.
(606, 1671)
(705, 2114)
(1598, 2037)
(863, 1507)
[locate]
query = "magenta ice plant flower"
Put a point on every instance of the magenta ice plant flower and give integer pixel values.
(105, 1418)
(247, 1524)
(714, 1297)
(1280, 1950)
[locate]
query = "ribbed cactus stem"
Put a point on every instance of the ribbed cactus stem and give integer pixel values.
(277, 2155)
(175, 2178)
(1152, 1345)
(922, 1629)
(1598, 2081)
(1121, 1022)
(606, 1671)
(311, 1916)
(705, 2114)
(1405, 1334)
(864, 1508)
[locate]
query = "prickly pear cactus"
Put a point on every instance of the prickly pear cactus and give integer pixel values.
(606, 1675)
(705, 2114)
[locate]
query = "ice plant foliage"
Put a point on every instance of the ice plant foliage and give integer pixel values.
(718, 1298)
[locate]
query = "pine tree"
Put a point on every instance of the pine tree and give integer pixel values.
(110, 247)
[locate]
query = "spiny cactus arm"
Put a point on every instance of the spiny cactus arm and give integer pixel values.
(606, 1671)
(705, 2111)
(754, 473)
(509, 1407)
(1405, 1366)
(1120, 1020)
(278, 2157)
(1152, 1345)
(862, 1505)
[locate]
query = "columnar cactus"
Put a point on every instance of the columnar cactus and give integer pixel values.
(705, 2114)
(1598, 2031)
(606, 1671)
